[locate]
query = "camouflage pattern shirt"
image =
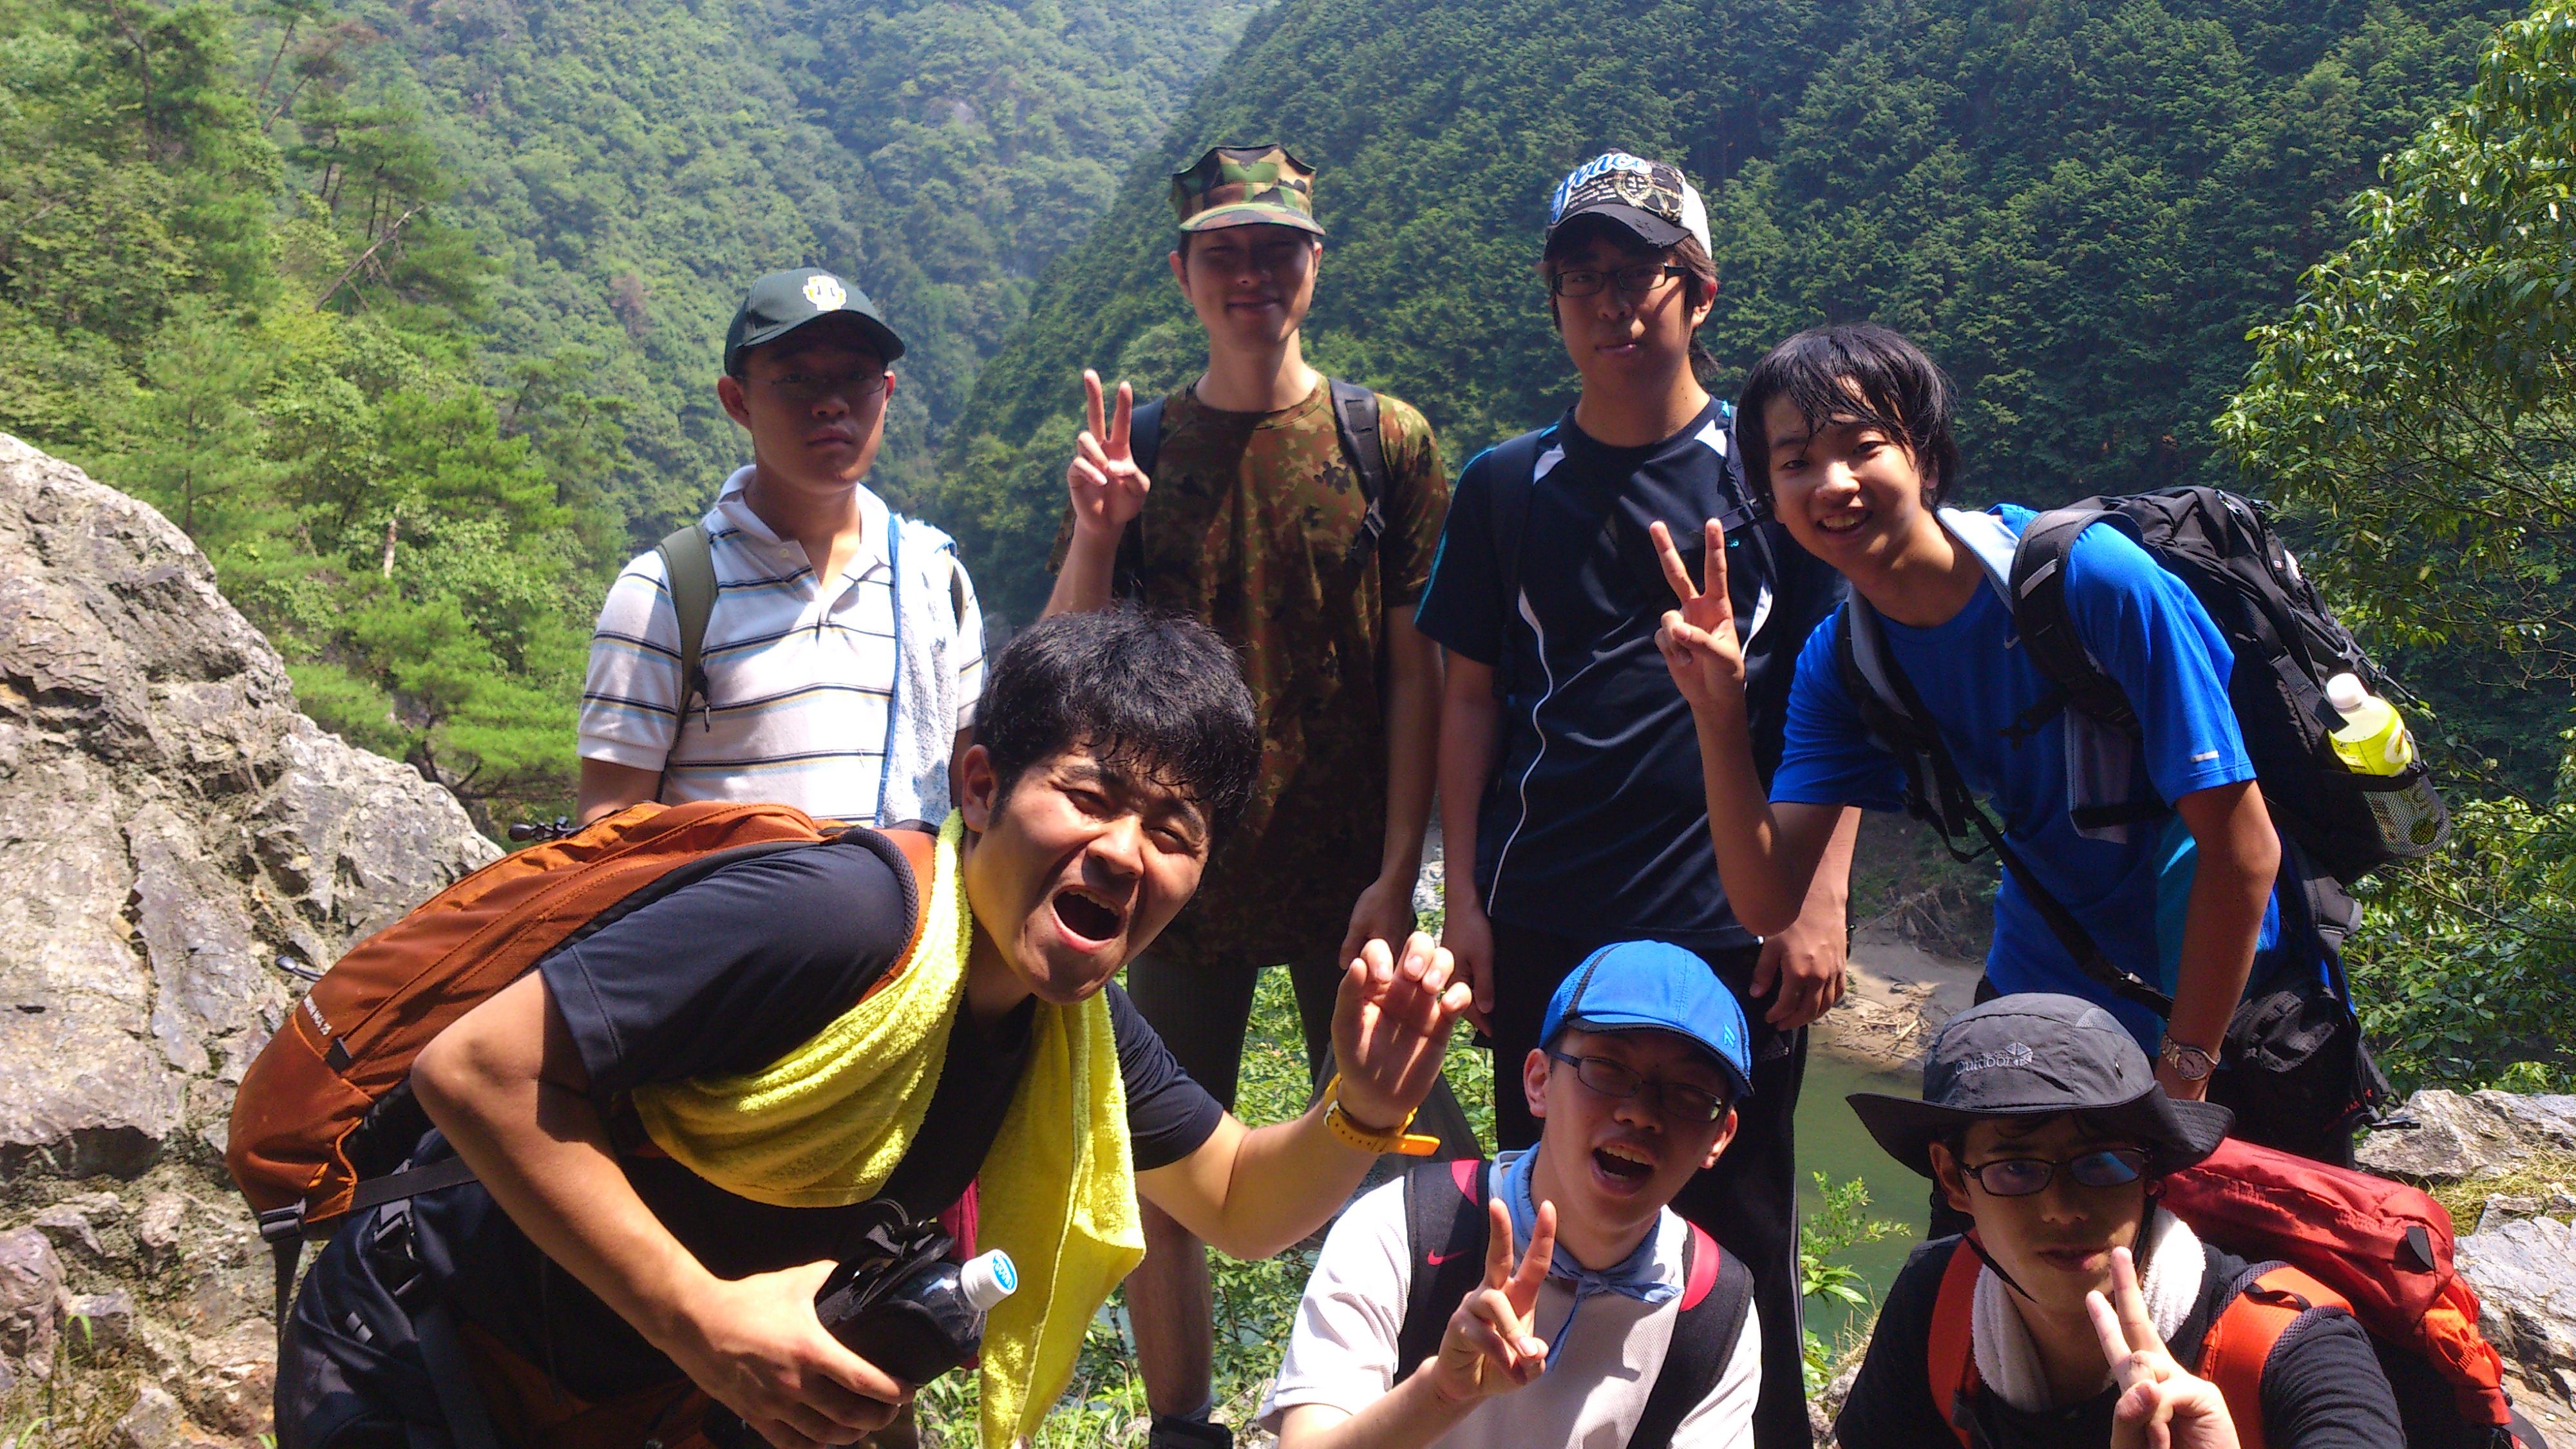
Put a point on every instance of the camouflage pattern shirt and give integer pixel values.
(1253, 527)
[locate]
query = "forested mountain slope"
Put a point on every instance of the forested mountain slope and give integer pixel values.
(632, 163)
(409, 314)
(2080, 205)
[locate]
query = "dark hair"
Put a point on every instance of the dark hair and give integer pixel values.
(1698, 267)
(1156, 693)
(1861, 370)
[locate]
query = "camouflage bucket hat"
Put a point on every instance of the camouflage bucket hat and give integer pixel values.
(1245, 186)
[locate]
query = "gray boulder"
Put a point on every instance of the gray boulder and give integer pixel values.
(2472, 1134)
(183, 849)
(2525, 1276)
(176, 835)
(31, 1295)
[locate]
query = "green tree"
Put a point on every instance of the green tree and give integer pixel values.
(2418, 408)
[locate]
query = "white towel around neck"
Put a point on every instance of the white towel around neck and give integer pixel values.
(2008, 1360)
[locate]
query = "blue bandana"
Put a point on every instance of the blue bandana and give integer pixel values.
(1636, 1276)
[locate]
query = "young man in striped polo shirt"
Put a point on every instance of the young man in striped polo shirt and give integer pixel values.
(843, 652)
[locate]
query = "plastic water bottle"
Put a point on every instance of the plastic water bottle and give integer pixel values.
(933, 1322)
(2373, 741)
(930, 1323)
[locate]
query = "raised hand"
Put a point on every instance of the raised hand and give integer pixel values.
(1489, 1347)
(1390, 1027)
(1107, 489)
(2161, 1405)
(1698, 637)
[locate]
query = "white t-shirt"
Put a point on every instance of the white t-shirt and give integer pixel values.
(1342, 1351)
(802, 673)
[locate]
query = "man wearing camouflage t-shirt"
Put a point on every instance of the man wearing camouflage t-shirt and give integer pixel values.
(1260, 525)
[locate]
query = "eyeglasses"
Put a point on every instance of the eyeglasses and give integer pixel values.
(2022, 1176)
(801, 388)
(1636, 281)
(1677, 1101)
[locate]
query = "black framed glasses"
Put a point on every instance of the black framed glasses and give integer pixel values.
(2022, 1176)
(801, 388)
(1636, 281)
(1680, 1102)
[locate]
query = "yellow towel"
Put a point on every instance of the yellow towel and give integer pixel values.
(825, 1126)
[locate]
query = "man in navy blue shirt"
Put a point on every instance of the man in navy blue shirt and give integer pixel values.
(1568, 776)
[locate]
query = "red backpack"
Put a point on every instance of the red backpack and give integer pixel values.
(325, 1114)
(2332, 1238)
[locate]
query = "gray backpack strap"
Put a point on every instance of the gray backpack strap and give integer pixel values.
(688, 559)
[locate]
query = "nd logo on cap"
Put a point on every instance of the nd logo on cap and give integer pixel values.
(825, 292)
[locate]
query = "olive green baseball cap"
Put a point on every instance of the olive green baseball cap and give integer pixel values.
(1245, 186)
(782, 302)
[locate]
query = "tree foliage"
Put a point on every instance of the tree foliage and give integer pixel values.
(237, 304)
(2080, 205)
(2418, 408)
(630, 166)
(2419, 404)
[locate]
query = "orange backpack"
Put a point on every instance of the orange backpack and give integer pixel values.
(325, 1113)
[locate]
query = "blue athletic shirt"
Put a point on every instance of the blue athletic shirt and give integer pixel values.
(1595, 822)
(2147, 631)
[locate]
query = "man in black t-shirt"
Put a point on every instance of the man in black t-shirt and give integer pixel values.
(1113, 747)
(1570, 788)
(2066, 1322)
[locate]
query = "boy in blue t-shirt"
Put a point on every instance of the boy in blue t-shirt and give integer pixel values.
(1847, 430)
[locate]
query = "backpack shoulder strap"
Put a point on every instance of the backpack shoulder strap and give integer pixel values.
(2241, 1338)
(1717, 1290)
(688, 558)
(1950, 1360)
(2047, 629)
(1355, 417)
(1145, 445)
(1445, 1228)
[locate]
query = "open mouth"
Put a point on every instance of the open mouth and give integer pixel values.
(1085, 917)
(1843, 522)
(1623, 1163)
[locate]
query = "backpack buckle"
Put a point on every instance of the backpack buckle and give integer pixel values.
(282, 1225)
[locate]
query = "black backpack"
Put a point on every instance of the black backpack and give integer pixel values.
(1355, 418)
(2286, 643)
(1446, 1225)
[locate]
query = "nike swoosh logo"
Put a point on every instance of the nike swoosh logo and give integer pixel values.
(1436, 1259)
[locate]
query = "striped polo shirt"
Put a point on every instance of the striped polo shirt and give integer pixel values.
(801, 675)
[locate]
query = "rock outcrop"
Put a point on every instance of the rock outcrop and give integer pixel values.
(2463, 1135)
(183, 851)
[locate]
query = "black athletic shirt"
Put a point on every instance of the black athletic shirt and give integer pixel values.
(1595, 821)
(2322, 1386)
(727, 975)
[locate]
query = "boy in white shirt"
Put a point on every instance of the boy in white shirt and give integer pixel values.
(1600, 1316)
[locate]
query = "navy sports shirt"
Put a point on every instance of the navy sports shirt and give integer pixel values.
(1595, 822)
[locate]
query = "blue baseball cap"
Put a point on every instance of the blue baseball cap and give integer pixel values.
(1651, 985)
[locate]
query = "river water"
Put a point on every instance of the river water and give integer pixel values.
(1832, 1141)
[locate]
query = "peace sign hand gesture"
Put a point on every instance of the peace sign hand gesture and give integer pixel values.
(1108, 489)
(1489, 1348)
(1698, 638)
(2161, 1405)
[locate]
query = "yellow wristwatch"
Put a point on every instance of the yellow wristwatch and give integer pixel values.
(1396, 1140)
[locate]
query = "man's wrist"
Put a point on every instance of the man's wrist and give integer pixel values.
(1094, 537)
